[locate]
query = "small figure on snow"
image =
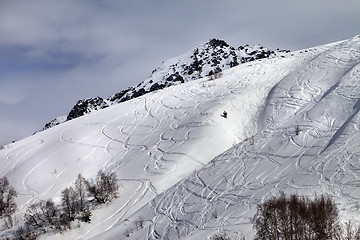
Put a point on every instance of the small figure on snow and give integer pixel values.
(224, 115)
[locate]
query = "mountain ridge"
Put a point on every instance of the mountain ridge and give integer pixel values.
(188, 172)
(322, 157)
(209, 58)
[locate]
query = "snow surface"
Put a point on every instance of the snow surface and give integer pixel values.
(187, 171)
(209, 58)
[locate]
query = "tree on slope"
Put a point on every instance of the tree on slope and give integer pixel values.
(70, 202)
(104, 187)
(42, 214)
(297, 217)
(80, 188)
(7, 201)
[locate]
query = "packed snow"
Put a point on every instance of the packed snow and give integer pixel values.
(188, 172)
(209, 58)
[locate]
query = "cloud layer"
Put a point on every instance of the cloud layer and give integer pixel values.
(53, 53)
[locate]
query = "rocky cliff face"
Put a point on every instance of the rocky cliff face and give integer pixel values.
(210, 58)
(86, 106)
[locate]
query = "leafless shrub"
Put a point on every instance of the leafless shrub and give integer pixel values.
(45, 214)
(80, 188)
(139, 223)
(64, 222)
(74, 200)
(25, 233)
(7, 201)
(42, 214)
(86, 215)
(220, 236)
(104, 187)
(70, 202)
(8, 221)
(351, 232)
(297, 217)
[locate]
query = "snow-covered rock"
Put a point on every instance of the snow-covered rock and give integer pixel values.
(55, 122)
(207, 59)
(187, 172)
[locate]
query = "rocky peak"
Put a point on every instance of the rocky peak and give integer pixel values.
(85, 106)
(81, 108)
(217, 43)
(211, 57)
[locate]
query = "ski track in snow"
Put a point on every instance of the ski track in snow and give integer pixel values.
(120, 138)
(291, 161)
(149, 143)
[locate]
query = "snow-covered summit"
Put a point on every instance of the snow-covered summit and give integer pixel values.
(211, 57)
(187, 172)
(205, 60)
(304, 139)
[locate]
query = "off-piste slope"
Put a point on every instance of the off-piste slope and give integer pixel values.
(308, 142)
(151, 143)
(209, 58)
(187, 171)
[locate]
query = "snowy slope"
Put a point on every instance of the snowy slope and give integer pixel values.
(320, 95)
(209, 58)
(178, 160)
(151, 142)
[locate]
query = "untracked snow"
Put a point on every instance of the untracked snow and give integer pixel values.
(187, 171)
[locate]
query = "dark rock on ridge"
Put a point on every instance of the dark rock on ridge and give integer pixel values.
(85, 106)
(209, 58)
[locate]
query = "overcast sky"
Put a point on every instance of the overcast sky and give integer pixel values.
(53, 53)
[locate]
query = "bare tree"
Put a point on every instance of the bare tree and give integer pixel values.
(25, 233)
(104, 188)
(7, 201)
(323, 218)
(297, 217)
(70, 202)
(42, 214)
(139, 223)
(86, 215)
(350, 231)
(80, 188)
